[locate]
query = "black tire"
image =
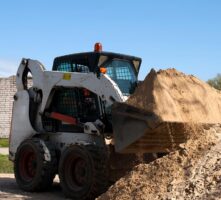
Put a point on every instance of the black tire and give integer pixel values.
(35, 165)
(83, 172)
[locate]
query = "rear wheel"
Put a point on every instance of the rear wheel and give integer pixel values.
(35, 165)
(83, 172)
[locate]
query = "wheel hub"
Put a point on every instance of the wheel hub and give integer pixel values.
(80, 172)
(28, 164)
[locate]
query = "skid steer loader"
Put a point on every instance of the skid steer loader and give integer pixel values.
(65, 123)
(75, 121)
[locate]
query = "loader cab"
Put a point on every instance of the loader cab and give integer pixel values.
(122, 69)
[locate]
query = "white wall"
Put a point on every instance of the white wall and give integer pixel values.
(7, 91)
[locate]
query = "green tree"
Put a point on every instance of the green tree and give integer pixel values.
(215, 82)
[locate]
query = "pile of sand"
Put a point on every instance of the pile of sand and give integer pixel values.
(193, 172)
(172, 99)
(176, 97)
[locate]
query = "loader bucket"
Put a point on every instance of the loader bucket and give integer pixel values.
(136, 131)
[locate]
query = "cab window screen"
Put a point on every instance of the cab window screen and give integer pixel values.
(65, 67)
(72, 67)
(121, 71)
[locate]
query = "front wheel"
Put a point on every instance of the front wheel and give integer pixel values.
(83, 171)
(35, 165)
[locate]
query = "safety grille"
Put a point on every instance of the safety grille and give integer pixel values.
(72, 67)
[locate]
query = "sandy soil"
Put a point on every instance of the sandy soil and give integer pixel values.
(191, 173)
(192, 170)
(176, 97)
(169, 99)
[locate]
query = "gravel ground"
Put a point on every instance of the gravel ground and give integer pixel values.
(10, 190)
(202, 180)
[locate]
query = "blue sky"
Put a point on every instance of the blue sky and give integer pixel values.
(183, 34)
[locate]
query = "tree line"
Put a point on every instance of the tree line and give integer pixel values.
(215, 82)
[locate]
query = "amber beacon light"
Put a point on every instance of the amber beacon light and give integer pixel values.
(103, 70)
(98, 47)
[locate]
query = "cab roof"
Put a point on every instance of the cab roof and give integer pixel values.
(95, 60)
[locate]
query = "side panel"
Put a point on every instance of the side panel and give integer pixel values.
(21, 128)
(61, 139)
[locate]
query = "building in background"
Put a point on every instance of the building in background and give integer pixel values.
(7, 91)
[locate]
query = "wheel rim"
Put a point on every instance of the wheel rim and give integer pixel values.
(76, 172)
(28, 164)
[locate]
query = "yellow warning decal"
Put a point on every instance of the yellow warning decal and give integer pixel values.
(67, 76)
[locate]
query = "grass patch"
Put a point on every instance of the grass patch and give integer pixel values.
(4, 142)
(6, 166)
